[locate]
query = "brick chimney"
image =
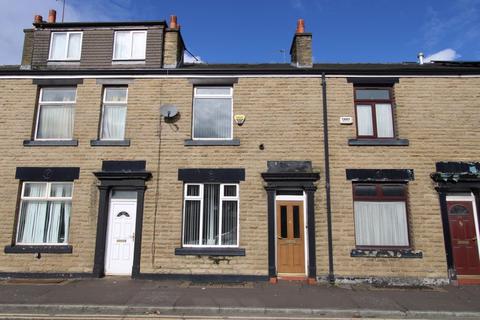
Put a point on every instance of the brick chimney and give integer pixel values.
(173, 46)
(301, 49)
(52, 16)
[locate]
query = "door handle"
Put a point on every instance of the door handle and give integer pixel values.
(133, 237)
(474, 239)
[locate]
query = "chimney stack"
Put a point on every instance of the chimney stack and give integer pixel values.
(52, 16)
(301, 49)
(38, 19)
(174, 46)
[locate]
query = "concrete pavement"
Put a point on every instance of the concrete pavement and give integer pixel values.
(115, 298)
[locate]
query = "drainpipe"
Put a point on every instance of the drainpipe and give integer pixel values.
(331, 275)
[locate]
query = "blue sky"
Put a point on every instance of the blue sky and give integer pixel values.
(227, 31)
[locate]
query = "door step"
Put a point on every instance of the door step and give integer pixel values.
(468, 280)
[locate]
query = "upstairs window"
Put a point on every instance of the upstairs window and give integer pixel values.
(65, 46)
(373, 107)
(210, 215)
(212, 113)
(45, 211)
(114, 113)
(380, 215)
(56, 110)
(130, 45)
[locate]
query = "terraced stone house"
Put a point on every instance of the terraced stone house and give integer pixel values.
(120, 159)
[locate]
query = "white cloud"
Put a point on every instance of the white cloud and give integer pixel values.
(187, 58)
(443, 55)
(18, 15)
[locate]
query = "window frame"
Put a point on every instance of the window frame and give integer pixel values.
(46, 198)
(68, 33)
(220, 214)
(212, 96)
(115, 33)
(104, 102)
(39, 106)
(372, 103)
(380, 197)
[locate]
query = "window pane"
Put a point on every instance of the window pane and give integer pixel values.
(59, 43)
(62, 190)
(393, 190)
(211, 203)
(381, 223)
(212, 118)
(193, 190)
(229, 223)
(283, 222)
(364, 120)
(230, 191)
(213, 91)
(384, 121)
(35, 190)
(191, 234)
(457, 210)
(138, 45)
(365, 190)
(124, 194)
(122, 45)
(55, 122)
(113, 124)
(370, 94)
(74, 46)
(44, 222)
(58, 95)
(115, 94)
(296, 221)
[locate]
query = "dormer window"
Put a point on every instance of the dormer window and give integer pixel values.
(130, 45)
(65, 46)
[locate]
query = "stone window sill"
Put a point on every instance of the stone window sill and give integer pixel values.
(233, 142)
(50, 143)
(39, 249)
(378, 142)
(386, 253)
(210, 252)
(110, 143)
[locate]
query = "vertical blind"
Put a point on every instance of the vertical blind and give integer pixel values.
(66, 46)
(45, 213)
(211, 215)
(130, 45)
(212, 113)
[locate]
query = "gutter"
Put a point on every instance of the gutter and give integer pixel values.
(331, 275)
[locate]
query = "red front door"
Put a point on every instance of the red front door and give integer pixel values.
(463, 237)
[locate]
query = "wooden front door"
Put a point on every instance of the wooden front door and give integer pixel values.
(290, 237)
(463, 237)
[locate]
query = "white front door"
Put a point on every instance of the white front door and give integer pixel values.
(120, 237)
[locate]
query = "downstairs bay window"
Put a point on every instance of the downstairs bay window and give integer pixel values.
(381, 215)
(44, 215)
(210, 217)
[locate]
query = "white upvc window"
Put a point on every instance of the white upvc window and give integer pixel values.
(56, 112)
(211, 215)
(114, 113)
(65, 46)
(212, 113)
(130, 45)
(45, 211)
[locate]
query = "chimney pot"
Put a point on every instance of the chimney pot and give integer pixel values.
(300, 26)
(38, 19)
(173, 22)
(52, 16)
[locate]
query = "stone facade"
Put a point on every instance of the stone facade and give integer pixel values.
(284, 122)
